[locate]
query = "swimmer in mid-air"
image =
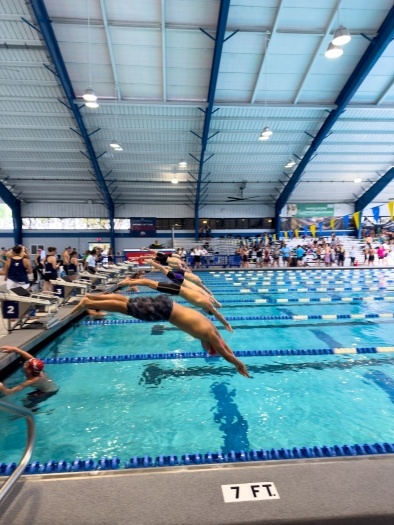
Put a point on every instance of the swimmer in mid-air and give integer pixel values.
(163, 308)
(195, 296)
(178, 275)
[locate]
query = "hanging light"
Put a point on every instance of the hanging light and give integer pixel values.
(357, 180)
(174, 180)
(263, 137)
(183, 164)
(267, 132)
(89, 96)
(119, 147)
(114, 143)
(92, 105)
(290, 164)
(341, 36)
(333, 51)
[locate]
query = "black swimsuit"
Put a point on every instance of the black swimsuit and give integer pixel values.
(157, 308)
(176, 276)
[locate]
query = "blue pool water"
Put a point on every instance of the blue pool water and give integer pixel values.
(182, 406)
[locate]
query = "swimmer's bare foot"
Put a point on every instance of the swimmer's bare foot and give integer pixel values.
(80, 306)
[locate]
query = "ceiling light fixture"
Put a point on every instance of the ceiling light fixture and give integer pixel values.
(333, 51)
(92, 105)
(119, 147)
(290, 164)
(357, 180)
(267, 132)
(183, 164)
(174, 180)
(114, 143)
(90, 96)
(341, 36)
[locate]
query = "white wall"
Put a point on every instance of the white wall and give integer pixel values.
(244, 209)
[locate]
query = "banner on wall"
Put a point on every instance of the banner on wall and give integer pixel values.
(310, 210)
(142, 226)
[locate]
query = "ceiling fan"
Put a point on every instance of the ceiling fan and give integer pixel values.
(240, 196)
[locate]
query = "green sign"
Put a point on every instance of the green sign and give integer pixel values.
(310, 210)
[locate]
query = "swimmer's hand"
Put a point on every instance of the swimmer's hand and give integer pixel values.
(8, 349)
(228, 327)
(242, 369)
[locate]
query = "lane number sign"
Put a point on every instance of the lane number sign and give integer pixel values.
(261, 490)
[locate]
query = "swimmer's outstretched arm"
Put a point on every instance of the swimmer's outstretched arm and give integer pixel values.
(8, 349)
(212, 310)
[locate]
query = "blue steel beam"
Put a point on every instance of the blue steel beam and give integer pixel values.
(217, 54)
(368, 60)
(49, 37)
(374, 191)
(15, 204)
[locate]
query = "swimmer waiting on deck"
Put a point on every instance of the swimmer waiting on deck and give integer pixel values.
(195, 296)
(162, 308)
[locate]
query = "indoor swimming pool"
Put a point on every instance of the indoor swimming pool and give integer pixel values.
(152, 400)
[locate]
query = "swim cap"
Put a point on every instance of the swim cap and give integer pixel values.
(36, 365)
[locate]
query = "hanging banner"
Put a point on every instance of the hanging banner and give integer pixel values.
(320, 226)
(310, 210)
(312, 227)
(290, 234)
(142, 226)
(274, 236)
(286, 234)
(305, 230)
(345, 219)
(376, 213)
(390, 206)
(296, 232)
(332, 224)
(356, 218)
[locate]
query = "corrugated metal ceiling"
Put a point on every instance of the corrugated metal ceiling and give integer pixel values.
(159, 56)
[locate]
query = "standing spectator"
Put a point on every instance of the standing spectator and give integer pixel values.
(381, 254)
(285, 251)
(300, 252)
(341, 255)
(17, 268)
(245, 257)
(66, 258)
(50, 269)
(91, 260)
(371, 256)
(352, 255)
(196, 253)
(275, 256)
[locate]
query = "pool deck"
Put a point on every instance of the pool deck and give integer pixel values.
(355, 491)
(335, 491)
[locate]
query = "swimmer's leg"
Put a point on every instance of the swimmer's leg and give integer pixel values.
(110, 303)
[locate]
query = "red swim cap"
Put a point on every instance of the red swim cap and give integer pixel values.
(36, 365)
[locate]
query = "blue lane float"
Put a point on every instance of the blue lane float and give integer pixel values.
(238, 353)
(325, 317)
(171, 460)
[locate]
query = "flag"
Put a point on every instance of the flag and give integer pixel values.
(312, 227)
(320, 226)
(356, 218)
(390, 206)
(345, 219)
(332, 224)
(375, 211)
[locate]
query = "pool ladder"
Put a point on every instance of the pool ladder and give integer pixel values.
(31, 432)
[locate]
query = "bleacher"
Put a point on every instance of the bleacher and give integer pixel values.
(224, 247)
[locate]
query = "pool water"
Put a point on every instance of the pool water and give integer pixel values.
(178, 406)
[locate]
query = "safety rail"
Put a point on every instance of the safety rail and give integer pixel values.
(31, 432)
